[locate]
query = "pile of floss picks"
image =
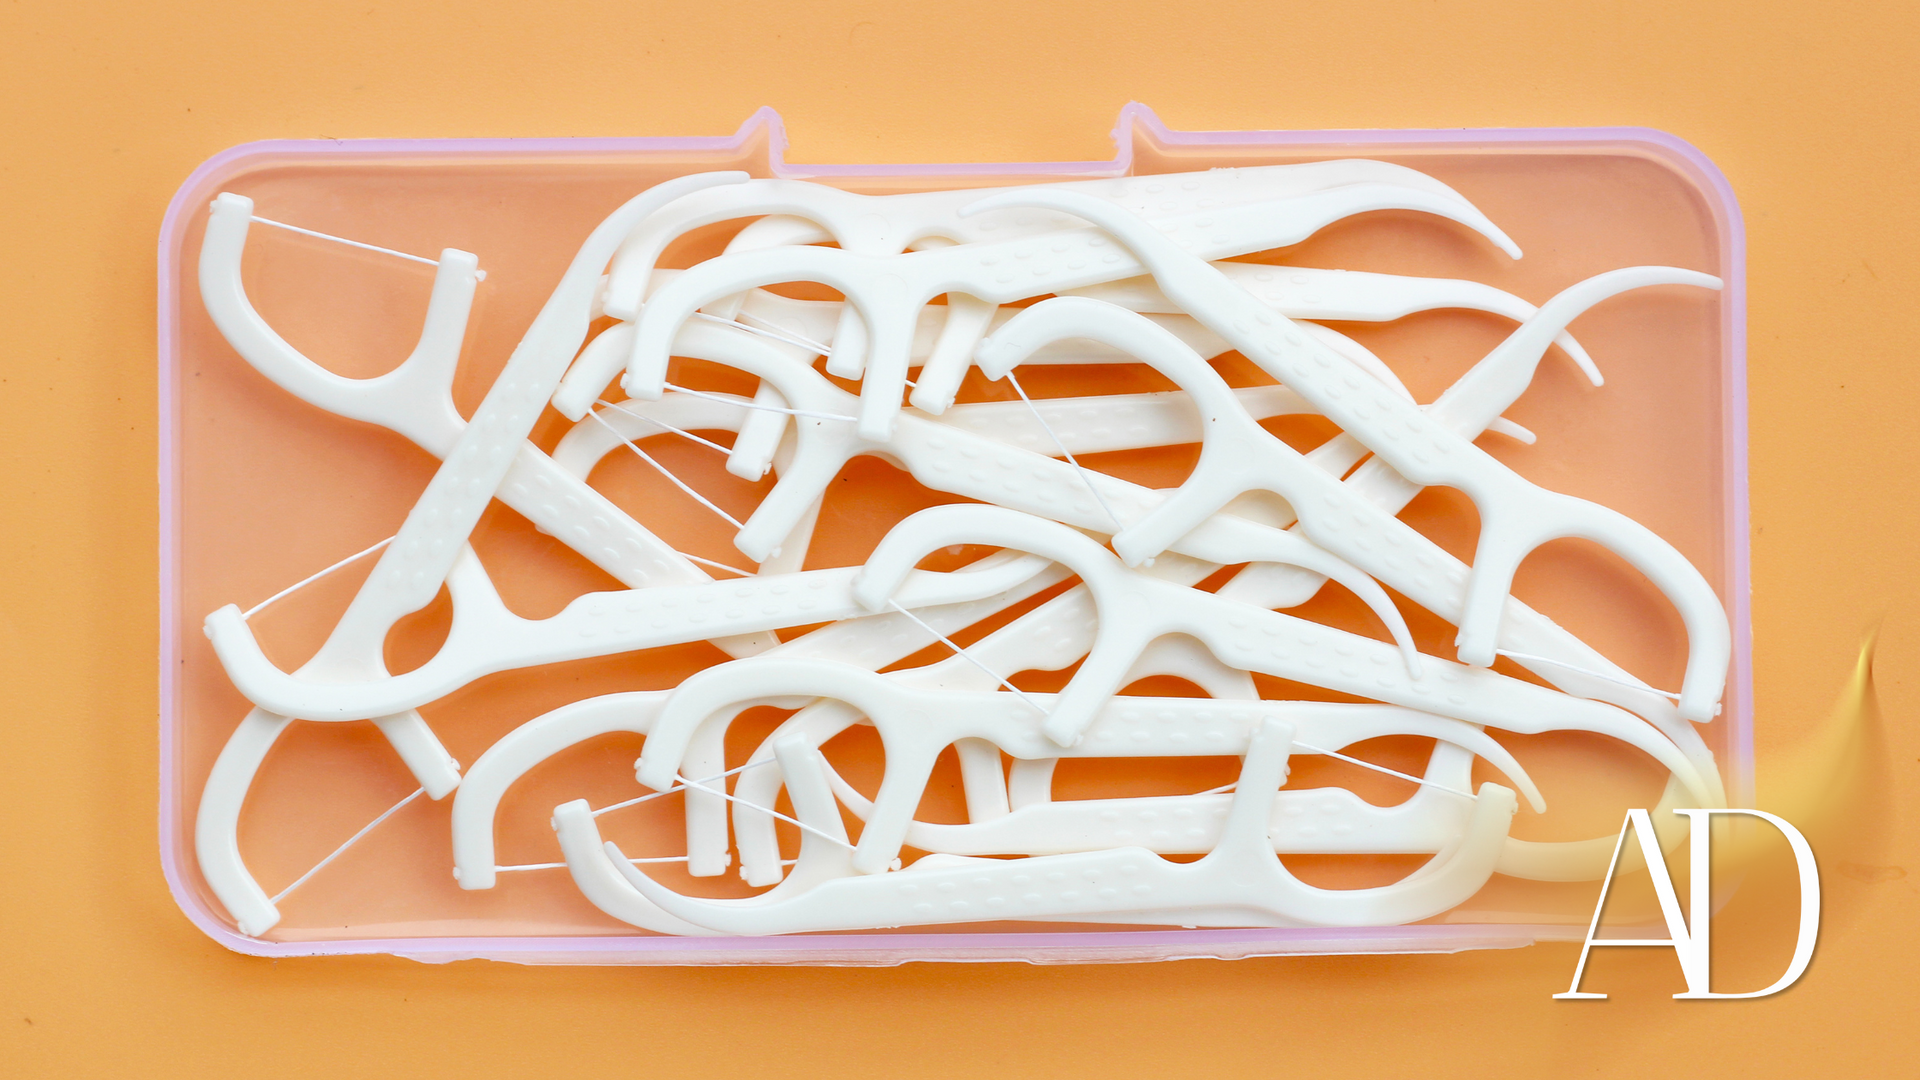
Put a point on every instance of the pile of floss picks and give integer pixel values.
(1093, 572)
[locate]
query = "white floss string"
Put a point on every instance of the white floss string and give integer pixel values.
(304, 582)
(682, 432)
(1064, 452)
(636, 862)
(712, 563)
(759, 406)
(968, 657)
(480, 275)
(774, 328)
(1224, 788)
(766, 330)
(1523, 657)
(770, 813)
(662, 470)
(661, 794)
(561, 865)
(701, 785)
(1384, 769)
(352, 840)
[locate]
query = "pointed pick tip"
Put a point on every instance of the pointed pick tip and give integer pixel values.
(1485, 226)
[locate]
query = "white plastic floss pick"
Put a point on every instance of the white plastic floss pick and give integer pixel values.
(874, 641)
(1140, 270)
(1239, 882)
(411, 568)
(944, 337)
(801, 213)
(999, 476)
(888, 291)
(1516, 516)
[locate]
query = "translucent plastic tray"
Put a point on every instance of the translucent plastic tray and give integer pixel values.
(259, 490)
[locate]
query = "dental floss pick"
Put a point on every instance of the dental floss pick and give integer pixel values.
(1137, 294)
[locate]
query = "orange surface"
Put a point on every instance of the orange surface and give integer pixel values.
(107, 109)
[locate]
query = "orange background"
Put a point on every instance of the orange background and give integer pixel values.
(106, 108)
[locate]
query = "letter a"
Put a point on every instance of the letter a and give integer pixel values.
(1691, 946)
